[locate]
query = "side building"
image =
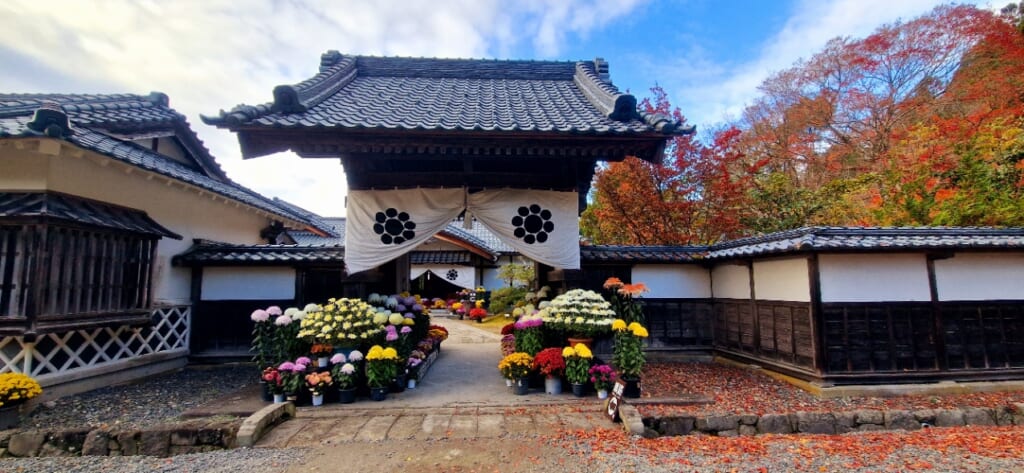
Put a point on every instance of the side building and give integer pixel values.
(97, 194)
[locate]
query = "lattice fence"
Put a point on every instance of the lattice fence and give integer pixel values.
(65, 352)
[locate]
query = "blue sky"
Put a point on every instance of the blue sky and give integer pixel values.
(207, 55)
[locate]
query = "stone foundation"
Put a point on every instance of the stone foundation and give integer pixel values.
(160, 441)
(834, 423)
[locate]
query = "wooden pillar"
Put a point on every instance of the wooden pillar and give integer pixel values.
(817, 317)
(938, 326)
(403, 264)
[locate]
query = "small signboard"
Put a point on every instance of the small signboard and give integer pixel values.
(612, 408)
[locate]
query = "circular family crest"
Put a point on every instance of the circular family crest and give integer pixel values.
(394, 227)
(533, 224)
(452, 275)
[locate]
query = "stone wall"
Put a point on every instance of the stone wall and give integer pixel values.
(160, 441)
(834, 423)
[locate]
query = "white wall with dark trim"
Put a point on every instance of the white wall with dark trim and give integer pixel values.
(241, 283)
(730, 281)
(862, 277)
(980, 277)
(682, 281)
(782, 280)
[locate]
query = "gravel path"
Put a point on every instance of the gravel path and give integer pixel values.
(143, 403)
(261, 460)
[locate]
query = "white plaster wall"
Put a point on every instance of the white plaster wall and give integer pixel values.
(782, 280)
(874, 278)
(221, 284)
(980, 276)
(673, 281)
(490, 280)
(21, 170)
(730, 281)
(182, 211)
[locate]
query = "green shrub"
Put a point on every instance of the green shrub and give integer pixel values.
(504, 300)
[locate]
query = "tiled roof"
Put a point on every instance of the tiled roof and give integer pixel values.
(871, 238)
(463, 258)
(63, 207)
(87, 121)
(212, 253)
(363, 92)
(641, 254)
(120, 114)
(489, 238)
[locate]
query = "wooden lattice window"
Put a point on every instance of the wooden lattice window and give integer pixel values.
(60, 277)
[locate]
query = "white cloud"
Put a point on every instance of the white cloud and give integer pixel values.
(708, 95)
(213, 54)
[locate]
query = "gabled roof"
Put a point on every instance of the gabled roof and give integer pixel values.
(97, 123)
(366, 93)
(55, 206)
(123, 116)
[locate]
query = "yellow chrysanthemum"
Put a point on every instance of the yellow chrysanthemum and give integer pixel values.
(640, 331)
(390, 353)
(582, 351)
(567, 352)
(375, 353)
(619, 325)
(633, 326)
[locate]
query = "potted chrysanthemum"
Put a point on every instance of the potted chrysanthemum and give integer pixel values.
(516, 367)
(381, 367)
(628, 354)
(550, 363)
(577, 362)
(15, 390)
(345, 376)
(317, 383)
(603, 376)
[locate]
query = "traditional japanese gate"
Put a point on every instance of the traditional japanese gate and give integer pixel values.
(512, 143)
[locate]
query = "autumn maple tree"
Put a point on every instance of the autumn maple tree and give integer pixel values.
(919, 123)
(695, 195)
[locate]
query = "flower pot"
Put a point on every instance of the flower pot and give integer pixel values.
(508, 382)
(522, 386)
(322, 361)
(278, 398)
(553, 385)
(602, 394)
(398, 385)
(632, 387)
(589, 342)
(265, 391)
(292, 398)
(410, 383)
(10, 416)
(479, 321)
(318, 399)
(347, 396)
(579, 389)
(379, 394)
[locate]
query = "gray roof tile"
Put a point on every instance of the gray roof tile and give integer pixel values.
(363, 92)
(92, 119)
(67, 208)
(213, 253)
(462, 258)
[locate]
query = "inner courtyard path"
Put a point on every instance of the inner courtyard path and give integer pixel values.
(462, 397)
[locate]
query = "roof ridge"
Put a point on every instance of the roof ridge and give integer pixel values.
(590, 77)
(336, 71)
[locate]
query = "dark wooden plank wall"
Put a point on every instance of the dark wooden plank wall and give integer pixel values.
(55, 273)
(684, 324)
(900, 337)
(776, 331)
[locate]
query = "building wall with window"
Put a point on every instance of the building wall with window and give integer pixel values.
(184, 209)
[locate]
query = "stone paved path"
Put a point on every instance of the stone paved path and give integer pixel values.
(318, 428)
(462, 397)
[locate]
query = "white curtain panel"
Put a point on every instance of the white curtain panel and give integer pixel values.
(382, 225)
(462, 276)
(542, 225)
